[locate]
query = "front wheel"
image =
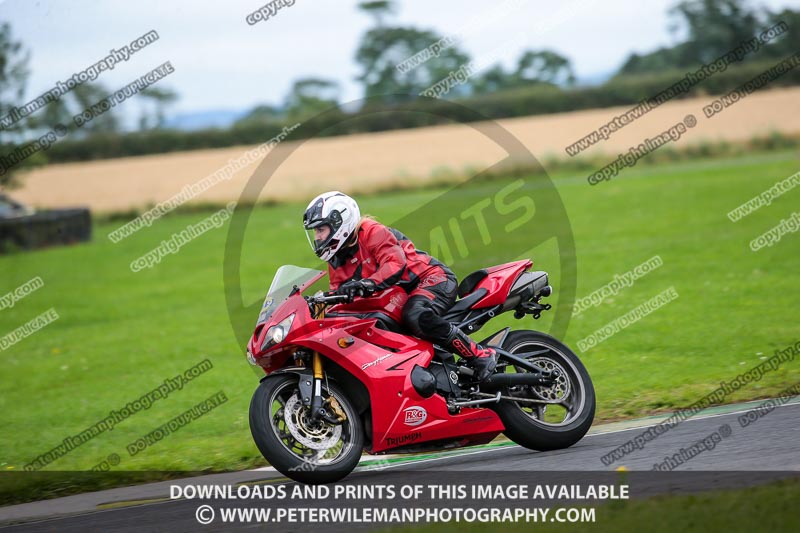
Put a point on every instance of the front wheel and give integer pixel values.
(560, 414)
(304, 450)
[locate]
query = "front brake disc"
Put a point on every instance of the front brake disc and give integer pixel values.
(319, 436)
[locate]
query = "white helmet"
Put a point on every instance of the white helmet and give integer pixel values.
(340, 213)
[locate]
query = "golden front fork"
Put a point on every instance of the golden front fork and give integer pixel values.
(319, 314)
(316, 396)
(316, 392)
(317, 361)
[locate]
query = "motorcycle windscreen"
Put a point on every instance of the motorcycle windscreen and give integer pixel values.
(286, 278)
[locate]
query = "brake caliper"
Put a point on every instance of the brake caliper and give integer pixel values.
(337, 409)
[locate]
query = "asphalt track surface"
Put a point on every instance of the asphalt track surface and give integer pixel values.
(761, 452)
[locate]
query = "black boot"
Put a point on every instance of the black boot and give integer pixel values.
(481, 359)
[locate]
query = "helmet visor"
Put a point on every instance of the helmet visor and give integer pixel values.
(319, 237)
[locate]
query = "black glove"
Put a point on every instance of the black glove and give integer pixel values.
(353, 288)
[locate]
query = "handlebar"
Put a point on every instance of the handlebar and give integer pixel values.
(327, 297)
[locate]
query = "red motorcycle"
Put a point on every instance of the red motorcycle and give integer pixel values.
(345, 378)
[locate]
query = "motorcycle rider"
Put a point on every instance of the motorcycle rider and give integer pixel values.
(365, 256)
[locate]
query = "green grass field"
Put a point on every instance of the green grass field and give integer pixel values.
(121, 334)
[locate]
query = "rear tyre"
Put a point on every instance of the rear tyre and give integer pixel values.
(571, 399)
(303, 450)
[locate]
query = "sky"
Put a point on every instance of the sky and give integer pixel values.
(223, 63)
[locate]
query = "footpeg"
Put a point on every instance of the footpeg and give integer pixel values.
(531, 308)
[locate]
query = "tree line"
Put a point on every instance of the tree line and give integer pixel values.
(540, 81)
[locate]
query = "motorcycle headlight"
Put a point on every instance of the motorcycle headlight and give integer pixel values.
(250, 358)
(277, 333)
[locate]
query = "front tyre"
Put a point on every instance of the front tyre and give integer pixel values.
(562, 413)
(307, 451)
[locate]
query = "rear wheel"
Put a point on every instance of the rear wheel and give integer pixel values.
(302, 449)
(563, 412)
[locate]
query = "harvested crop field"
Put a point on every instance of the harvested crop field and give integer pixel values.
(365, 161)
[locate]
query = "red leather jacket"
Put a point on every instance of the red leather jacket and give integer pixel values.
(385, 256)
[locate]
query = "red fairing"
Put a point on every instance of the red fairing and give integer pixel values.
(272, 358)
(499, 282)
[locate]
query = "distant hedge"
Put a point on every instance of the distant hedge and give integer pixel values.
(45, 228)
(534, 100)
